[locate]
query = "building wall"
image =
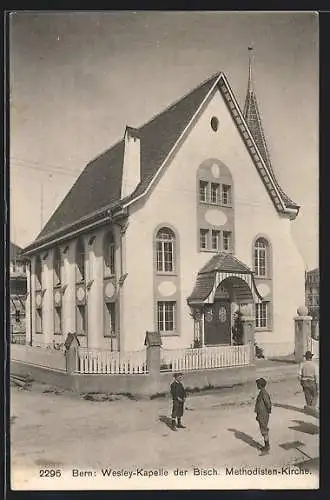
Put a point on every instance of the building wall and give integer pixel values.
(94, 286)
(173, 202)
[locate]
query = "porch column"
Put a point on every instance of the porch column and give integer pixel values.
(248, 323)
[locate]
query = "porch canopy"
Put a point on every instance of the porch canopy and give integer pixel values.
(219, 268)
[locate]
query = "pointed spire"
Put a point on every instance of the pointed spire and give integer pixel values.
(250, 87)
(252, 116)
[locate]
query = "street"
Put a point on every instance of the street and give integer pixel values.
(63, 431)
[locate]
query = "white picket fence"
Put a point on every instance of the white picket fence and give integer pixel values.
(204, 358)
(100, 361)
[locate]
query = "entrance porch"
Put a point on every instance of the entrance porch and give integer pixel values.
(222, 300)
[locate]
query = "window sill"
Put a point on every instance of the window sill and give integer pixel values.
(263, 329)
(262, 277)
(214, 204)
(208, 250)
(81, 334)
(111, 276)
(166, 273)
(39, 333)
(58, 333)
(169, 334)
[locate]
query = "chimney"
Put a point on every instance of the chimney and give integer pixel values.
(132, 162)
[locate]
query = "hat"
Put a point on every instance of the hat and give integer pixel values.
(308, 355)
(261, 382)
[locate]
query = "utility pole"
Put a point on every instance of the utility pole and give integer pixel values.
(42, 200)
(41, 204)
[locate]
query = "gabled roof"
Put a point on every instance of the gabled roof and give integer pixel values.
(223, 262)
(15, 252)
(98, 187)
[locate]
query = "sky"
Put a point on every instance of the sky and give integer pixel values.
(77, 79)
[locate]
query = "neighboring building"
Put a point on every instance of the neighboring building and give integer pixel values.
(18, 290)
(312, 290)
(172, 229)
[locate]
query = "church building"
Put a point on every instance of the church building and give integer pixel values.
(174, 229)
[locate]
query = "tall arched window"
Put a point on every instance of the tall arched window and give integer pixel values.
(261, 257)
(80, 260)
(57, 264)
(38, 272)
(165, 250)
(109, 255)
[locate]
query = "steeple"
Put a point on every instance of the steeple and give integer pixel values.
(252, 116)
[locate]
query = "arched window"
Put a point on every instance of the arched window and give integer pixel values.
(261, 257)
(109, 255)
(165, 250)
(80, 261)
(57, 263)
(38, 272)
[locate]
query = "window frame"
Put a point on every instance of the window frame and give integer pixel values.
(216, 232)
(205, 233)
(84, 323)
(58, 311)
(228, 203)
(112, 316)
(260, 316)
(57, 266)
(217, 200)
(227, 236)
(38, 273)
(205, 186)
(258, 265)
(39, 320)
(161, 316)
(80, 261)
(109, 255)
(165, 248)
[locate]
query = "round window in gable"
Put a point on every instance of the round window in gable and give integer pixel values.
(214, 123)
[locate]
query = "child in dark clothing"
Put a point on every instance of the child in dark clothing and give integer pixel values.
(263, 408)
(178, 395)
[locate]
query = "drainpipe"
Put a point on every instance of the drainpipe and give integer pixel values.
(122, 230)
(30, 290)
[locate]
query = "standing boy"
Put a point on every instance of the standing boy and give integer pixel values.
(263, 408)
(178, 395)
(308, 380)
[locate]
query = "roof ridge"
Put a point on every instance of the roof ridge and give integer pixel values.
(179, 99)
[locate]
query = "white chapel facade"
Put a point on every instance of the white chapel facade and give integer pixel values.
(174, 229)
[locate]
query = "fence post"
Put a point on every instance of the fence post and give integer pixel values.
(302, 333)
(153, 342)
(71, 353)
(248, 334)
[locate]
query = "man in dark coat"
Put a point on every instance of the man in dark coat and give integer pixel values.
(178, 395)
(263, 408)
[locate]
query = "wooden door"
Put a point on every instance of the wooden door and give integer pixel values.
(217, 323)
